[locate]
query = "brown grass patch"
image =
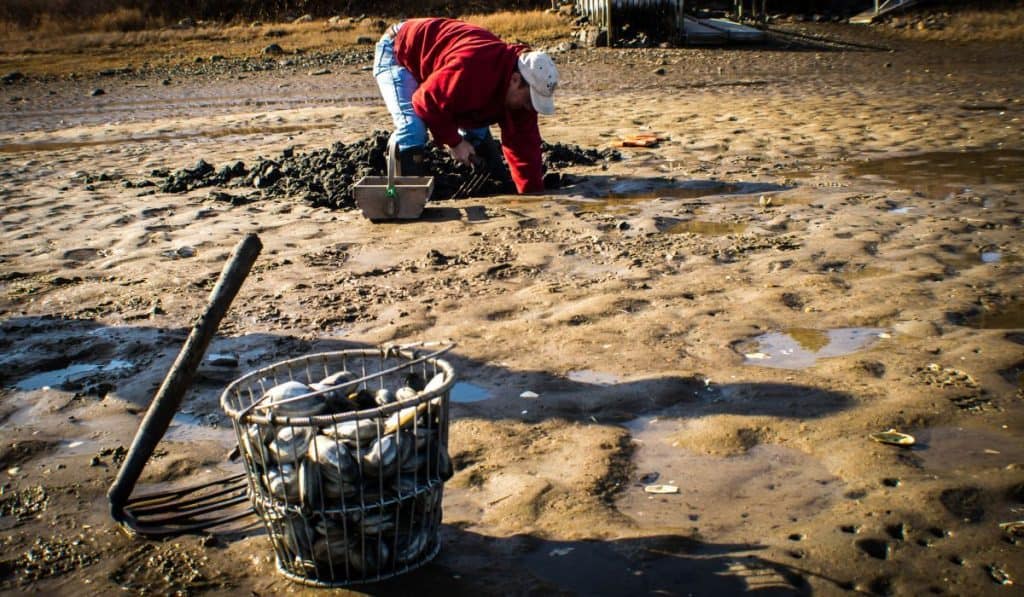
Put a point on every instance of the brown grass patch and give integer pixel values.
(114, 43)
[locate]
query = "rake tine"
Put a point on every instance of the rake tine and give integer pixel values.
(156, 498)
(189, 514)
(463, 191)
(478, 182)
(156, 507)
(147, 530)
(472, 185)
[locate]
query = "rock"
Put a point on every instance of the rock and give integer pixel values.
(917, 329)
(322, 71)
(335, 20)
(186, 23)
(97, 92)
(165, 82)
(273, 50)
(12, 77)
(659, 71)
(306, 18)
(364, 40)
(216, 58)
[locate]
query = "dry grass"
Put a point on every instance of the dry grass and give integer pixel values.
(532, 27)
(49, 50)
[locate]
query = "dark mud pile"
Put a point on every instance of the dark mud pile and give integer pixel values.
(325, 177)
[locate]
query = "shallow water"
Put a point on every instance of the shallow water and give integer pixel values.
(625, 194)
(768, 485)
(965, 449)
(937, 174)
(465, 391)
(1006, 317)
(50, 379)
(799, 348)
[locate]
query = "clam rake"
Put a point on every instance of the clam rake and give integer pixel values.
(198, 507)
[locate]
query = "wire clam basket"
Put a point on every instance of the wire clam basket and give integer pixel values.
(346, 455)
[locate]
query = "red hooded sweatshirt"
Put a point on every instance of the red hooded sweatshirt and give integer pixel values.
(464, 73)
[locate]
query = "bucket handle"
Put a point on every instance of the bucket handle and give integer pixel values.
(391, 192)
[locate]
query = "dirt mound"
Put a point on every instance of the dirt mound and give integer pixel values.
(325, 177)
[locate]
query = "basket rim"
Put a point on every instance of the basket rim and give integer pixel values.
(245, 416)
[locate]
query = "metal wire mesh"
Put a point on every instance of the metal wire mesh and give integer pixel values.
(346, 457)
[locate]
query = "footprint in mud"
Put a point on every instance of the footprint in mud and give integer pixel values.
(966, 503)
(879, 549)
(897, 531)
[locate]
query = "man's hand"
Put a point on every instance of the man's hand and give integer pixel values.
(463, 152)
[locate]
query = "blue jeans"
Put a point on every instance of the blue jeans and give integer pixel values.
(397, 85)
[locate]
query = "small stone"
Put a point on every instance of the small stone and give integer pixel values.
(659, 71)
(95, 461)
(97, 92)
(273, 50)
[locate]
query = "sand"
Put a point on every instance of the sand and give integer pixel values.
(826, 244)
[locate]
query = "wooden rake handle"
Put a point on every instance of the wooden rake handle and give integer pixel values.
(168, 398)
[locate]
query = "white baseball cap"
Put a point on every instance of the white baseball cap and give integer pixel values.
(539, 71)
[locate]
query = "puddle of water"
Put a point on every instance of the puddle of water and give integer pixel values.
(721, 494)
(190, 428)
(597, 378)
(938, 173)
(227, 132)
(50, 379)
(464, 391)
(707, 228)
(799, 348)
(901, 210)
(1006, 317)
(990, 256)
(627, 193)
(965, 449)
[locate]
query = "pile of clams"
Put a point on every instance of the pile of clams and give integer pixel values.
(360, 498)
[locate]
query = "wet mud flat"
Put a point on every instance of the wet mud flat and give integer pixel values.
(669, 366)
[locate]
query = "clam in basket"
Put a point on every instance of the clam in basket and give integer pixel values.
(346, 455)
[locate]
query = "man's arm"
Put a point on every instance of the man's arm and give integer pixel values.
(520, 142)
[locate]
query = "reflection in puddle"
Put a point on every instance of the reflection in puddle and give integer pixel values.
(707, 228)
(464, 391)
(50, 379)
(799, 348)
(937, 174)
(1006, 317)
(766, 485)
(625, 194)
(597, 378)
